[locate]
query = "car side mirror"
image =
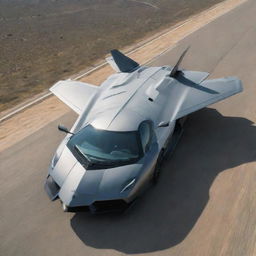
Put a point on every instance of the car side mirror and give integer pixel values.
(163, 124)
(64, 129)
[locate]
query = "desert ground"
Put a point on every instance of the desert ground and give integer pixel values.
(42, 41)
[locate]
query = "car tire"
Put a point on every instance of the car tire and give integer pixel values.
(158, 167)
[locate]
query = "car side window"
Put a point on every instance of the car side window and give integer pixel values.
(145, 131)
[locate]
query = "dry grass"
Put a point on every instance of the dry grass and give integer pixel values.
(43, 42)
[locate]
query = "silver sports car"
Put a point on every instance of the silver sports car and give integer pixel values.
(126, 126)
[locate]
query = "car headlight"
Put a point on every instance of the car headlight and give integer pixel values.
(128, 185)
(55, 160)
(58, 153)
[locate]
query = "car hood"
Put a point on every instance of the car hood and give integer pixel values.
(79, 186)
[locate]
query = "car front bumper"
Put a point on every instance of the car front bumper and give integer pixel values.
(52, 189)
(98, 207)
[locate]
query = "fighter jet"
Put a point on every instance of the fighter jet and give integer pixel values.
(125, 128)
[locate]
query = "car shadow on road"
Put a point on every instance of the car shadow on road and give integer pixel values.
(164, 216)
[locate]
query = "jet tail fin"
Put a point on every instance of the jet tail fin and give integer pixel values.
(175, 69)
(121, 62)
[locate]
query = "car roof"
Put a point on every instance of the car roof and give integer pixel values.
(123, 102)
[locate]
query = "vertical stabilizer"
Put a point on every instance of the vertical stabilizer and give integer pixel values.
(122, 62)
(176, 67)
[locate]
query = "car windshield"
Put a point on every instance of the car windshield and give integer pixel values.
(105, 147)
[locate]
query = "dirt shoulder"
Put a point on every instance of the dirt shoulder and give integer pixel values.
(32, 119)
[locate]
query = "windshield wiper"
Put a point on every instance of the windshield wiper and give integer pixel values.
(78, 150)
(110, 162)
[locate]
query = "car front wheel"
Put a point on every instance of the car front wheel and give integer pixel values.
(65, 208)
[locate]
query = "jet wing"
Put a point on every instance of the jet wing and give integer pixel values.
(187, 97)
(121, 63)
(73, 93)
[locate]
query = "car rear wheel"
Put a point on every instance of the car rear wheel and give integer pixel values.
(158, 166)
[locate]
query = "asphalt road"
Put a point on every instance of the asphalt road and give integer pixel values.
(205, 201)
